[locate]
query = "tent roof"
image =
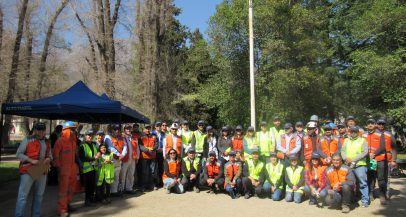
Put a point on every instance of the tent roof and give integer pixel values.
(78, 103)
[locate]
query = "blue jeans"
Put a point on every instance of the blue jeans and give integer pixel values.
(26, 183)
(293, 196)
(170, 184)
(323, 194)
(276, 195)
(234, 190)
(361, 174)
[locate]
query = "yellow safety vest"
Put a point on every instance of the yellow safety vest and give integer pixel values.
(248, 143)
(199, 141)
(88, 166)
(294, 177)
(255, 170)
(274, 173)
(196, 162)
(105, 171)
(264, 140)
(354, 148)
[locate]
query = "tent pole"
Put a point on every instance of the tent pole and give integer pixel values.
(50, 127)
(1, 134)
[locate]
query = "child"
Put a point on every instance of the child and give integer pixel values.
(105, 173)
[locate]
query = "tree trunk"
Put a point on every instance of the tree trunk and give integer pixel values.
(1, 34)
(45, 50)
(14, 68)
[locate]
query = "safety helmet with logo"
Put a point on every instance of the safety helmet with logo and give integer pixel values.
(311, 124)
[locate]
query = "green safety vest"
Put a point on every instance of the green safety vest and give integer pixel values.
(354, 148)
(255, 170)
(105, 171)
(276, 134)
(294, 177)
(264, 140)
(196, 162)
(274, 172)
(87, 166)
(199, 141)
(187, 138)
(250, 145)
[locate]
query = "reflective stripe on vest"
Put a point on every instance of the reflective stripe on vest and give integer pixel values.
(186, 137)
(199, 141)
(196, 162)
(105, 171)
(276, 134)
(294, 177)
(248, 145)
(274, 172)
(88, 166)
(264, 141)
(354, 148)
(255, 170)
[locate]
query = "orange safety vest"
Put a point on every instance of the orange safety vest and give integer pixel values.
(374, 140)
(337, 175)
(329, 148)
(308, 147)
(134, 144)
(169, 144)
(174, 169)
(388, 145)
(33, 151)
(320, 171)
(231, 170)
(136, 135)
(292, 145)
(213, 169)
(148, 142)
(118, 144)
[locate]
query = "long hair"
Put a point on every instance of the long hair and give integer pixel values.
(107, 148)
(176, 157)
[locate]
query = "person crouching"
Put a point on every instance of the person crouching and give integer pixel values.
(171, 175)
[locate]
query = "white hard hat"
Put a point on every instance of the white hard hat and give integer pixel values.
(175, 126)
(311, 124)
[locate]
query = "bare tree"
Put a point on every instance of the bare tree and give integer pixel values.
(45, 50)
(1, 33)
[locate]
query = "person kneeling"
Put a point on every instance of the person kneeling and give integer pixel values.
(256, 174)
(294, 178)
(315, 176)
(212, 174)
(171, 173)
(273, 185)
(340, 184)
(232, 174)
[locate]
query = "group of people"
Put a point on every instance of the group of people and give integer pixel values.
(332, 164)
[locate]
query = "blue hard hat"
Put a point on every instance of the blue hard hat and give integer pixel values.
(69, 124)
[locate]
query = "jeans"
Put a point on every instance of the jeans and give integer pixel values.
(233, 190)
(276, 195)
(249, 188)
(149, 173)
(293, 196)
(25, 186)
(361, 174)
(323, 194)
(170, 184)
(344, 197)
(380, 174)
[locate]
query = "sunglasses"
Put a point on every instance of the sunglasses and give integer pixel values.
(164, 125)
(172, 153)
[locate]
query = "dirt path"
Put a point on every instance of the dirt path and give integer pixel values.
(158, 203)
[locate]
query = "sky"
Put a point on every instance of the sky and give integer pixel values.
(196, 13)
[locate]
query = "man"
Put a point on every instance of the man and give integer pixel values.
(33, 151)
(249, 142)
(121, 146)
(191, 169)
(224, 144)
(149, 147)
(136, 134)
(288, 144)
(276, 130)
(390, 145)
(160, 134)
(255, 175)
(232, 174)
(342, 134)
(354, 153)
(129, 160)
(311, 144)
(329, 144)
(315, 119)
(64, 159)
(173, 141)
(294, 178)
(88, 154)
(377, 153)
(53, 173)
(164, 128)
(264, 140)
(213, 173)
(340, 184)
(237, 143)
(350, 121)
(299, 130)
(198, 139)
(274, 183)
(186, 135)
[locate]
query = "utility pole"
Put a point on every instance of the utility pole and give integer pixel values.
(252, 78)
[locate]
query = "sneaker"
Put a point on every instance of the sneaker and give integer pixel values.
(196, 189)
(168, 191)
(238, 195)
(345, 209)
(365, 205)
(312, 202)
(383, 201)
(155, 188)
(247, 196)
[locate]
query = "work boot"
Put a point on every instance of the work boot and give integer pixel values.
(196, 189)
(130, 192)
(382, 199)
(345, 209)
(312, 201)
(247, 196)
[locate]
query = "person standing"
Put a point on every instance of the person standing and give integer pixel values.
(198, 140)
(249, 143)
(32, 151)
(53, 173)
(88, 154)
(64, 155)
(224, 144)
(105, 173)
(173, 141)
(129, 161)
(354, 153)
(264, 140)
(160, 135)
(119, 144)
(149, 147)
(288, 144)
(311, 144)
(210, 142)
(237, 143)
(276, 131)
(186, 135)
(329, 145)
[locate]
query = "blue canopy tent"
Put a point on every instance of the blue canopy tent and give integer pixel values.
(78, 103)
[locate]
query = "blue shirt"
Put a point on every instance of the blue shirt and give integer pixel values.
(161, 137)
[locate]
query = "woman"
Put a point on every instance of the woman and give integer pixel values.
(315, 176)
(210, 143)
(105, 173)
(171, 175)
(224, 144)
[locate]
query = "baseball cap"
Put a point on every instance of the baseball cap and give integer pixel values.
(40, 126)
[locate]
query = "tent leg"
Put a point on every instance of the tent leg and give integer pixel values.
(1, 135)
(50, 128)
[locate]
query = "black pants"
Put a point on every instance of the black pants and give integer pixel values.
(219, 182)
(249, 188)
(90, 185)
(138, 174)
(380, 174)
(160, 162)
(187, 184)
(103, 191)
(53, 176)
(149, 173)
(343, 197)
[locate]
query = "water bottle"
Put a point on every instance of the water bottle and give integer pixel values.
(372, 164)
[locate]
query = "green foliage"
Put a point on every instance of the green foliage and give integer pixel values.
(8, 171)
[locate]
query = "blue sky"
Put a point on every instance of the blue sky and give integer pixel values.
(196, 13)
